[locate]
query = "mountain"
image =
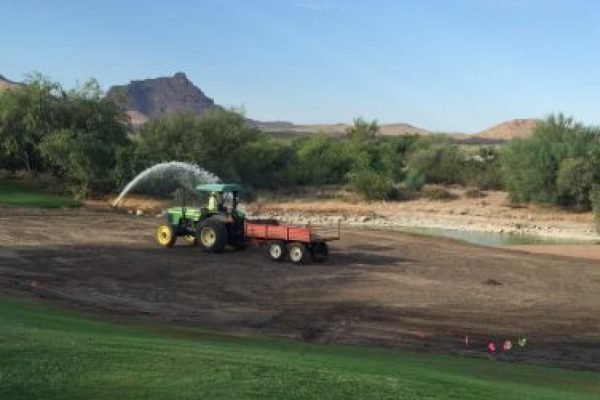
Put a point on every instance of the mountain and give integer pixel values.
(284, 127)
(158, 97)
(6, 84)
(513, 129)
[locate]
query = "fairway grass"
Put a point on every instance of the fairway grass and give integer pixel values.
(51, 354)
(14, 193)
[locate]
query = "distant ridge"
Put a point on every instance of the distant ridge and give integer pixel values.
(513, 129)
(6, 84)
(146, 99)
(284, 127)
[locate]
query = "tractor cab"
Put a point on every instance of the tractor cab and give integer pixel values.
(223, 198)
(213, 225)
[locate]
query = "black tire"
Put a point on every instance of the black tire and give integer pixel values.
(276, 250)
(165, 235)
(297, 253)
(319, 251)
(212, 235)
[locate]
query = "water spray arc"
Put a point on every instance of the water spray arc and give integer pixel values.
(202, 175)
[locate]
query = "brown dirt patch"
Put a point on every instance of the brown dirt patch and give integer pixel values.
(382, 288)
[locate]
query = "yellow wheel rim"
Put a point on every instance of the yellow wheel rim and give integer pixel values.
(163, 235)
(208, 236)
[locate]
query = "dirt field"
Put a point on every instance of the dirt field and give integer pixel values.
(382, 288)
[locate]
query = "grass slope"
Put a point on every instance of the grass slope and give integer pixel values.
(15, 193)
(50, 354)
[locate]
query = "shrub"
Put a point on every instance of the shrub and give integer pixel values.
(536, 168)
(441, 163)
(414, 180)
(574, 182)
(373, 186)
(483, 170)
(435, 192)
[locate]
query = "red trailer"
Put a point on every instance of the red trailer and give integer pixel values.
(296, 242)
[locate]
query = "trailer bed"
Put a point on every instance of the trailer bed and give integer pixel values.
(290, 233)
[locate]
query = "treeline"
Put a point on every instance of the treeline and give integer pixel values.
(84, 140)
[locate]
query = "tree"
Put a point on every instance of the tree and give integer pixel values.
(574, 181)
(218, 141)
(84, 151)
(362, 130)
(441, 162)
(321, 159)
(27, 115)
(531, 166)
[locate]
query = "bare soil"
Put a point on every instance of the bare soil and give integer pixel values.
(379, 288)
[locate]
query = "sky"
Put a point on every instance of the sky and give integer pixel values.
(444, 65)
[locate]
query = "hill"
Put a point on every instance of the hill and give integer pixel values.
(284, 127)
(6, 84)
(158, 97)
(513, 129)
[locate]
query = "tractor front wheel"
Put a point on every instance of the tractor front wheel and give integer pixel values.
(212, 235)
(297, 253)
(165, 235)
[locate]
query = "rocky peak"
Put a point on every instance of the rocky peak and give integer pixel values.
(162, 96)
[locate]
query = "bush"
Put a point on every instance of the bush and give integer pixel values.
(441, 163)
(414, 180)
(574, 182)
(483, 170)
(554, 165)
(320, 160)
(373, 186)
(435, 192)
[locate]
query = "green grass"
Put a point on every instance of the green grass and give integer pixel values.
(14, 193)
(51, 354)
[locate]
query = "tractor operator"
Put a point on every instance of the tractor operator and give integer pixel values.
(213, 202)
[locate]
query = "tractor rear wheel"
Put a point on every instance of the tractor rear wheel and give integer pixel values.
(165, 235)
(212, 235)
(297, 253)
(277, 250)
(319, 251)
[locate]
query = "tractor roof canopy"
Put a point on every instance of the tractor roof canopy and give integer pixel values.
(219, 187)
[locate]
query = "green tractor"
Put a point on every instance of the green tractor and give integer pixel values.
(212, 227)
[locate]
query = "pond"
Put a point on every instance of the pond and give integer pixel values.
(490, 238)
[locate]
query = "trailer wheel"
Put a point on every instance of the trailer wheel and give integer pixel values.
(277, 250)
(319, 251)
(165, 235)
(212, 235)
(297, 253)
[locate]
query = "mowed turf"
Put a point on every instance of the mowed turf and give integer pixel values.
(14, 193)
(51, 354)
